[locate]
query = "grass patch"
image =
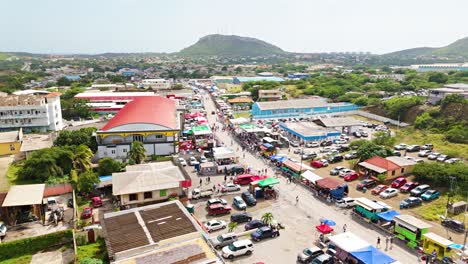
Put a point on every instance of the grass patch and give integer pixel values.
(26, 259)
(95, 250)
(3, 56)
(410, 135)
(12, 175)
(242, 114)
(431, 211)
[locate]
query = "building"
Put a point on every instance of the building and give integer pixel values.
(23, 200)
(159, 233)
(441, 67)
(152, 120)
(217, 80)
(265, 74)
(392, 167)
(34, 142)
(298, 75)
(436, 95)
(149, 183)
(241, 102)
(156, 84)
(298, 108)
(340, 124)
(239, 80)
(107, 86)
(109, 102)
(10, 142)
(269, 95)
(31, 112)
(306, 131)
(396, 77)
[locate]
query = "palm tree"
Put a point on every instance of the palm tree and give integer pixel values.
(232, 226)
(267, 218)
(137, 152)
(82, 158)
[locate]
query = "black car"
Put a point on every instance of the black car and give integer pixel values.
(397, 153)
(368, 183)
(335, 159)
(241, 217)
(413, 148)
(343, 148)
(254, 224)
(454, 225)
(249, 199)
(264, 232)
(236, 170)
(326, 143)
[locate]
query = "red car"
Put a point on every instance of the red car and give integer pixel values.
(398, 182)
(96, 202)
(408, 187)
(351, 176)
(87, 213)
(379, 188)
(318, 164)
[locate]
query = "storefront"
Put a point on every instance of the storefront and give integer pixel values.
(410, 229)
(435, 242)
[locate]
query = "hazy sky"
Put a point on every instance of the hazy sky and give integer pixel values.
(96, 26)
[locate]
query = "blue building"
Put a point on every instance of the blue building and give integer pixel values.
(306, 131)
(127, 73)
(298, 75)
(239, 80)
(298, 108)
(73, 77)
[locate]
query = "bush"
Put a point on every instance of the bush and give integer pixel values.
(91, 261)
(108, 165)
(32, 245)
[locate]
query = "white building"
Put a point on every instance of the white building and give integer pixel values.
(159, 84)
(109, 102)
(40, 112)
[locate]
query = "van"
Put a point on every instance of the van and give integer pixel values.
(238, 248)
(217, 209)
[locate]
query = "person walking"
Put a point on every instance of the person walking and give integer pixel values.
(201, 181)
(378, 242)
(297, 200)
(386, 243)
(209, 179)
(225, 178)
(344, 228)
(391, 242)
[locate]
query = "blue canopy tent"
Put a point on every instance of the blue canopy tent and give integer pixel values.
(267, 145)
(388, 215)
(371, 255)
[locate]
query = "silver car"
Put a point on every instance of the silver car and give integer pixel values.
(223, 240)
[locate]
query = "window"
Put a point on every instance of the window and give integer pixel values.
(163, 193)
(158, 136)
(12, 147)
(133, 197)
(148, 195)
(402, 170)
(124, 150)
(113, 151)
(393, 173)
(138, 138)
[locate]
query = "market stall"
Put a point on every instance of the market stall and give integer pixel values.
(432, 241)
(208, 168)
(291, 169)
(267, 149)
(264, 188)
(224, 156)
(370, 255)
(410, 229)
(329, 188)
(345, 243)
(309, 178)
(367, 209)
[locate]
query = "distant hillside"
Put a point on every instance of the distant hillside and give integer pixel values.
(236, 46)
(458, 48)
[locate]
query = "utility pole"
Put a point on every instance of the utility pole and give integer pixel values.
(451, 181)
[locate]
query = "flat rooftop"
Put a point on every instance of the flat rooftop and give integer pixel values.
(32, 142)
(9, 137)
(306, 129)
(339, 121)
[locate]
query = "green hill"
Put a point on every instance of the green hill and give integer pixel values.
(458, 48)
(230, 46)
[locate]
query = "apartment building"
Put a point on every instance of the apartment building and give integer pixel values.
(269, 95)
(158, 84)
(39, 112)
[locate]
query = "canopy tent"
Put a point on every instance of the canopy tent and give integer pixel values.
(268, 182)
(247, 126)
(267, 145)
(223, 153)
(201, 130)
(328, 183)
(292, 165)
(371, 255)
(310, 176)
(388, 215)
(193, 115)
(348, 242)
(188, 132)
(238, 121)
(324, 229)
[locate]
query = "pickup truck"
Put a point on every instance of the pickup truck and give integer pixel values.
(198, 193)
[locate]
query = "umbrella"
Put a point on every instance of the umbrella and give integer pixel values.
(329, 222)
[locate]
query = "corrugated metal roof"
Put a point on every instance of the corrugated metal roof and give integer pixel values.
(28, 194)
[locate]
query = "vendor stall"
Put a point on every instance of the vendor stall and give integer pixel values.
(202, 136)
(267, 149)
(291, 169)
(441, 245)
(329, 188)
(368, 209)
(208, 168)
(224, 156)
(309, 178)
(345, 243)
(324, 228)
(370, 255)
(410, 229)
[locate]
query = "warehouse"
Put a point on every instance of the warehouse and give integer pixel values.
(304, 131)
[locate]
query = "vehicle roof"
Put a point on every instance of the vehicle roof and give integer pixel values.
(323, 257)
(229, 235)
(423, 186)
(216, 205)
(314, 248)
(238, 198)
(237, 214)
(242, 242)
(265, 228)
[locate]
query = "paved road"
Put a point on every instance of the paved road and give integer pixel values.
(302, 218)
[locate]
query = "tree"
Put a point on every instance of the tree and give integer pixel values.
(238, 70)
(457, 134)
(362, 101)
(74, 178)
(232, 226)
(423, 121)
(86, 181)
(369, 149)
(267, 218)
(383, 138)
(108, 165)
(83, 136)
(47, 163)
(137, 152)
(63, 82)
(82, 158)
(438, 77)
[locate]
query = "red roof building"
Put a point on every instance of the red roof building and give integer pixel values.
(388, 166)
(58, 189)
(382, 163)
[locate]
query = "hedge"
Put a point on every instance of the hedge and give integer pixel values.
(32, 245)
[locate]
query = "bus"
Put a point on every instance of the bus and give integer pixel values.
(245, 179)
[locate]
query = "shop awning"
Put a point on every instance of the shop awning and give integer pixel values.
(348, 242)
(327, 183)
(324, 228)
(267, 145)
(371, 255)
(268, 182)
(310, 176)
(292, 165)
(388, 215)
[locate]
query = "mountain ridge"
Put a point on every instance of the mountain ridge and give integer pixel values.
(459, 48)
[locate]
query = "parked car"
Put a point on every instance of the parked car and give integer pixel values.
(413, 148)
(335, 159)
(442, 158)
(294, 143)
(427, 147)
(398, 182)
(203, 159)
(236, 170)
(401, 146)
(351, 155)
(214, 225)
(389, 193)
(379, 189)
(216, 201)
(343, 172)
(96, 201)
(410, 202)
(193, 161)
(418, 191)
(182, 161)
(453, 224)
(323, 259)
(264, 232)
(87, 213)
(230, 187)
(367, 183)
(254, 224)
(223, 240)
(430, 195)
(298, 151)
(340, 141)
(3, 229)
(452, 160)
(364, 134)
(308, 254)
(433, 156)
(319, 163)
(51, 203)
(241, 217)
(346, 202)
(239, 203)
(326, 143)
(336, 170)
(351, 176)
(357, 134)
(238, 248)
(249, 198)
(397, 153)
(307, 156)
(408, 187)
(424, 153)
(312, 145)
(70, 203)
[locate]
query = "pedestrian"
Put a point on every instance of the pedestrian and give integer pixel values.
(201, 181)
(434, 255)
(289, 150)
(344, 228)
(209, 179)
(386, 243)
(297, 199)
(243, 155)
(391, 242)
(214, 188)
(225, 178)
(378, 242)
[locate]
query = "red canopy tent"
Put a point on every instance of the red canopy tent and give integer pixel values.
(324, 228)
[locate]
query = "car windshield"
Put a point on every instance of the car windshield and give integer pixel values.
(430, 192)
(307, 252)
(220, 238)
(2, 226)
(232, 247)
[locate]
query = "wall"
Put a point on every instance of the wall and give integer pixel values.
(125, 200)
(374, 117)
(5, 148)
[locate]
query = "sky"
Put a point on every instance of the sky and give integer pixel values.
(98, 26)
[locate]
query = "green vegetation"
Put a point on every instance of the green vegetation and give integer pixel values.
(74, 108)
(397, 106)
(368, 149)
(232, 226)
(28, 246)
(458, 48)
(137, 152)
(24, 259)
(267, 218)
(439, 174)
(433, 210)
(108, 165)
(242, 114)
(83, 136)
(92, 252)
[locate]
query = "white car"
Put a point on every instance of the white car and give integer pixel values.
(312, 145)
(401, 146)
(452, 160)
(433, 156)
(424, 153)
(341, 141)
(343, 172)
(442, 157)
(3, 229)
(230, 187)
(182, 162)
(193, 161)
(388, 193)
(238, 248)
(203, 159)
(346, 202)
(214, 225)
